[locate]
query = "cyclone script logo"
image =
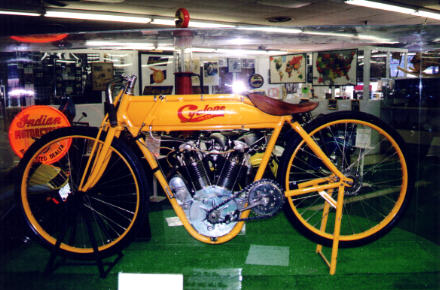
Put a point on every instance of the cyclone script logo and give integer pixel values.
(192, 113)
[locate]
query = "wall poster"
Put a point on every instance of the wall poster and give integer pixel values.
(289, 68)
(155, 70)
(102, 74)
(336, 67)
(210, 73)
(234, 65)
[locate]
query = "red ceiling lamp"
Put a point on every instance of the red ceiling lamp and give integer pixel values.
(40, 38)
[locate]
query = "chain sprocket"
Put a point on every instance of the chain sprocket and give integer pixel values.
(266, 192)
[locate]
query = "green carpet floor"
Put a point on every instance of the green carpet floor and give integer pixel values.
(400, 260)
(406, 258)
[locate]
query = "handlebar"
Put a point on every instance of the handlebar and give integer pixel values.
(131, 81)
(128, 87)
(109, 107)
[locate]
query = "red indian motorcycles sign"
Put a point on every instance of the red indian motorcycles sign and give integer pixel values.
(32, 123)
(193, 114)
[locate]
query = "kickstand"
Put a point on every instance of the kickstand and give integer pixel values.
(337, 230)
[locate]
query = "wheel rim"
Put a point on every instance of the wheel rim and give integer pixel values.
(378, 169)
(56, 210)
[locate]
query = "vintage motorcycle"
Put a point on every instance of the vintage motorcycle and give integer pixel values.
(342, 178)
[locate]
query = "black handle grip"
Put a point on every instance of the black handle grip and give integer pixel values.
(111, 111)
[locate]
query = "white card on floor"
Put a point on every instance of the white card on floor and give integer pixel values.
(136, 281)
(268, 255)
(173, 221)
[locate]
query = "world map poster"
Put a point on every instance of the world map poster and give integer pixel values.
(289, 68)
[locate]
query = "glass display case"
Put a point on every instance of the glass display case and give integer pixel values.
(379, 70)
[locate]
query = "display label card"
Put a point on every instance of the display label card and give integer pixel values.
(363, 138)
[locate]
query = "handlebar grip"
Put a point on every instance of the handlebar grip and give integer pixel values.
(111, 111)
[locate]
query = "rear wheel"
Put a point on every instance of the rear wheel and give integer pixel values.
(104, 217)
(363, 148)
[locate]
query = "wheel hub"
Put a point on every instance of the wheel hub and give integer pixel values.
(355, 185)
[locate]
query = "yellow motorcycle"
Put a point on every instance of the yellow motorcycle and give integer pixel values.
(342, 178)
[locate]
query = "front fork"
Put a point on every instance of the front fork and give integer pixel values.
(98, 159)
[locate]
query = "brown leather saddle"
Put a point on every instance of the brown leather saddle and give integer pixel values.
(280, 108)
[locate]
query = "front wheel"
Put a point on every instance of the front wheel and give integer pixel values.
(103, 218)
(363, 148)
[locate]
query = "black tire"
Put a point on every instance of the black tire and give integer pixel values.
(106, 216)
(368, 150)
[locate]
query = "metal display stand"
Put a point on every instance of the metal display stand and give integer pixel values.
(51, 265)
(98, 259)
(337, 230)
(337, 204)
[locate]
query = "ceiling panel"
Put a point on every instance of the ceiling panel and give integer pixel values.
(319, 12)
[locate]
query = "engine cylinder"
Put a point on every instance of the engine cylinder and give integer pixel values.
(229, 173)
(198, 174)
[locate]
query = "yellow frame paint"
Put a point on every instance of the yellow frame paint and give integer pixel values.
(390, 216)
(169, 113)
(340, 182)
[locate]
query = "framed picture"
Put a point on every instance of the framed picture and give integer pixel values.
(291, 88)
(156, 69)
(102, 74)
(234, 65)
(334, 68)
(248, 63)
(210, 73)
(222, 62)
(289, 68)
(332, 104)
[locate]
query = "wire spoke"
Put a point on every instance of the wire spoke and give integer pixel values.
(112, 205)
(104, 216)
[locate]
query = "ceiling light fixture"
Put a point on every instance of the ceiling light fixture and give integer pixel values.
(150, 46)
(192, 24)
(272, 29)
(120, 45)
(428, 14)
(19, 13)
(160, 21)
(351, 35)
(97, 16)
(394, 8)
(200, 24)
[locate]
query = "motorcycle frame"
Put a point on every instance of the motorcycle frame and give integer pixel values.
(137, 114)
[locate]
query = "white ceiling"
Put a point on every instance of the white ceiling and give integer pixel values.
(316, 17)
(302, 12)
(318, 12)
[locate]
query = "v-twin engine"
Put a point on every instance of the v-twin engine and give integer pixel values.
(212, 182)
(208, 172)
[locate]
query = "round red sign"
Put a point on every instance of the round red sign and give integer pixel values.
(32, 123)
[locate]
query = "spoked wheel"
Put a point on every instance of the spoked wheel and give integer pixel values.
(364, 149)
(104, 218)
